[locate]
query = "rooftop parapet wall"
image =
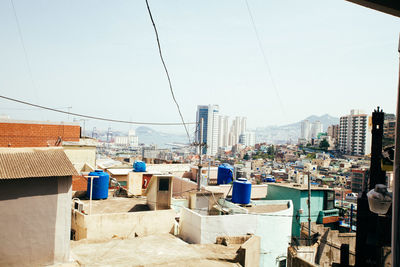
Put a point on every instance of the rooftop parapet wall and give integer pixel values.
(126, 225)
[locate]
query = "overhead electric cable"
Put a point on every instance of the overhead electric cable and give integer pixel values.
(93, 117)
(166, 70)
(265, 57)
(28, 65)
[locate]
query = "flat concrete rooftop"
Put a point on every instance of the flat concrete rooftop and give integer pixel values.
(116, 205)
(160, 250)
(261, 208)
(300, 186)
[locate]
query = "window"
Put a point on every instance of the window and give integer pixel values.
(282, 263)
(163, 184)
(329, 200)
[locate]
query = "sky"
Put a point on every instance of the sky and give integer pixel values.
(100, 58)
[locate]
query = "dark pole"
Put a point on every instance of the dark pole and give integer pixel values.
(200, 153)
(309, 208)
(351, 217)
(396, 186)
(344, 255)
(377, 176)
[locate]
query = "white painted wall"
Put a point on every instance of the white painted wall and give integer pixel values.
(274, 228)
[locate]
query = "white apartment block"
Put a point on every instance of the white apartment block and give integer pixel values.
(355, 134)
(223, 131)
(305, 130)
(316, 128)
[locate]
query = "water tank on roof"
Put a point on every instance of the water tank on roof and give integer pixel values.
(241, 191)
(139, 166)
(100, 184)
(225, 174)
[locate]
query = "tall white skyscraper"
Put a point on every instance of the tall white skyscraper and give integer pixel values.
(223, 131)
(305, 130)
(250, 138)
(238, 127)
(210, 116)
(316, 128)
(355, 133)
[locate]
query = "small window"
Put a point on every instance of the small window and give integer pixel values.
(282, 263)
(329, 200)
(163, 184)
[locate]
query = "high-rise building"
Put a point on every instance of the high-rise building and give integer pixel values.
(238, 127)
(210, 117)
(316, 128)
(305, 130)
(223, 131)
(355, 133)
(250, 138)
(333, 132)
(389, 126)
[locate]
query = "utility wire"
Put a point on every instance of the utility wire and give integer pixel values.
(166, 70)
(28, 65)
(264, 57)
(93, 117)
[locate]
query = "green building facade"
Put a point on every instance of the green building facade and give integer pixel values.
(322, 204)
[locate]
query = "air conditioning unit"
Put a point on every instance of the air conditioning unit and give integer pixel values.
(78, 205)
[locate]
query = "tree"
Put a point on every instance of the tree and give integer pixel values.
(324, 145)
(271, 150)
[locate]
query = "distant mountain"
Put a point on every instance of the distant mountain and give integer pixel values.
(326, 121)
(290, 132)
(150, 136)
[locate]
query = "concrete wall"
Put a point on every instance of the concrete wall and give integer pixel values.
(35, 221)
(182, 187)
(329, 243)
(128, 224)
(273, 228)
(294, 260)
(135, 182)
(79, 155)
(249, 252)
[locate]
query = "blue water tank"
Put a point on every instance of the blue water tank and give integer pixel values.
(225, 174)
(269, 180)
(139, 166)
(241, 191)
(100, 185)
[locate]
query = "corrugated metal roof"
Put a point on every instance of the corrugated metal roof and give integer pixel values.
(18, 163)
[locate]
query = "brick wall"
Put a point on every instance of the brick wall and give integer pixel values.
(36, 135)
(79, 183)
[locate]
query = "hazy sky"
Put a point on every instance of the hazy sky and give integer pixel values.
(101, 58)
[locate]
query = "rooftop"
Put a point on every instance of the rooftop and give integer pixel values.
(266, 208)
(160, 250)
(4, 120)
(300, 186)
(116, 205)
(18, 163)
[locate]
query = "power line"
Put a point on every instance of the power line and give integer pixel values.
(93, 117)
(28, 65)
(166, 70)
(29, 109)
(264, 57)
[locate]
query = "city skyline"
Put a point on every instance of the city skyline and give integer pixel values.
(112, 59)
